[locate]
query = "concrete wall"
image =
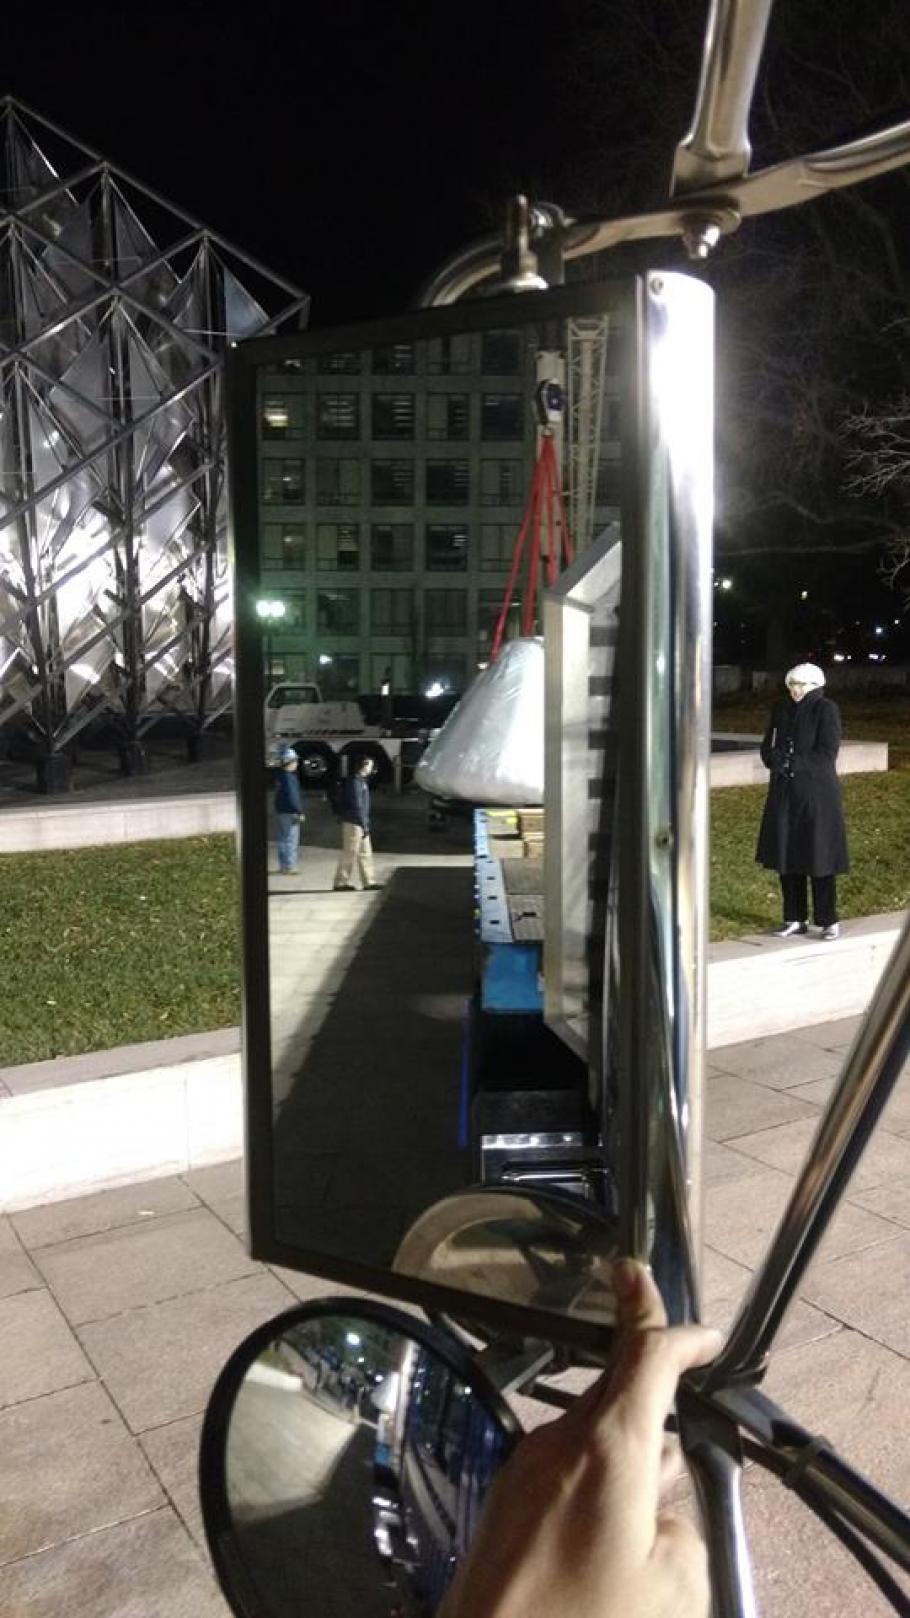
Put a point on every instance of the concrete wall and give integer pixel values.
(86, 1123)
(84, 825)
(744, 768)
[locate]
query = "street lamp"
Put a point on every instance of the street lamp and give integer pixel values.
(271, 611)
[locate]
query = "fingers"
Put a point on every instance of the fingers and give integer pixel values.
(639, 1305)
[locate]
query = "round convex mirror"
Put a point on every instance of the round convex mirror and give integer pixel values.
(346, 1454)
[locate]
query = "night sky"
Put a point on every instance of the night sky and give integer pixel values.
(350, 146)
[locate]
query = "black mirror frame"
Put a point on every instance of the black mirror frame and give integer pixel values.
(212, 1477)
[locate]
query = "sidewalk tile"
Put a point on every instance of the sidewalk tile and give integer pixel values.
(779, 1061)
(724, 1287)
(833, 1036)
(798, 1566)
(103, 1210)
(741, 1216)
(856, 1392)
(159, 1362)
(135, 1570)
(896, 1116)
(17, 1273)
(886, 1157)
(38, 1352)
(217, 1183)
(173, 1453)
(98, 1276)
(720, 1163)
(888, 1201)
(869, 1291)
(735, 1105)
(104, 1478)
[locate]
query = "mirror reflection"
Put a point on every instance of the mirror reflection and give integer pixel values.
(393, 483)
(357, 1461)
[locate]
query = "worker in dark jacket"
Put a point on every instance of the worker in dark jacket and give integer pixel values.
(288, 806)
(354, 813)
(802, 831)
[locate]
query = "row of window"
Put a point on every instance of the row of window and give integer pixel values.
(340, 481)
(494, 353)
(392, 547)
(339, 417)
(393, 611)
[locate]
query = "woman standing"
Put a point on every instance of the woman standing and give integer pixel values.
(802, 831)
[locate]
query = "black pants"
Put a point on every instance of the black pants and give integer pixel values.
(824, 899)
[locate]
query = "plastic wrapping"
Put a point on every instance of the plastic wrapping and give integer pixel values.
(490, 749)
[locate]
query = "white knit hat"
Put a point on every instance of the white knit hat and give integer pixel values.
(805, 674)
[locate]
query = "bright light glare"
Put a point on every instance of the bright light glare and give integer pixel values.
(435, 689)
(352, 1338)
(324, 659)
(682, 381)
(726, 584)
(271, 609)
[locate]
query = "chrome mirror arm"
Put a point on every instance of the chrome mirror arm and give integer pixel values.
(716, 147)
(699, 218)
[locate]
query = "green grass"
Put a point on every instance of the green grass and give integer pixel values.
(112, 946)
(109, 946)
(746, 899)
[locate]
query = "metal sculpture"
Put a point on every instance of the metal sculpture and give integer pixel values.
(114, 584)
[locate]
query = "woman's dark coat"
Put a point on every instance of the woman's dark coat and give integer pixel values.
(802, 829)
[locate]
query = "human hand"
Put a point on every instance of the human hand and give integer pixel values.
(573, 1527)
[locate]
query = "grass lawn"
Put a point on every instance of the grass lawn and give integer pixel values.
(746, 899)
(109, 946)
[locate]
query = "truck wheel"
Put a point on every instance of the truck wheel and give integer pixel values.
(317, 765)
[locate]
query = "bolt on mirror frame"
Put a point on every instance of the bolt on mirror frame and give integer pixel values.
(235, 1579)
(647, 498)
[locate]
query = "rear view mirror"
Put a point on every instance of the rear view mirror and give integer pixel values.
(399, 1049)
(346, 1454)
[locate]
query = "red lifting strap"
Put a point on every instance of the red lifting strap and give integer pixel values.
(545, 503)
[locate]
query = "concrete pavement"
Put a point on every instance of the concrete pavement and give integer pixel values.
(119, 1309)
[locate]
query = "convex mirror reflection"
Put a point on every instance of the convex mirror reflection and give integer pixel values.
(346, 1455)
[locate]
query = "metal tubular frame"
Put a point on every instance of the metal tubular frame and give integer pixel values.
(710, 1421)
(108, 600)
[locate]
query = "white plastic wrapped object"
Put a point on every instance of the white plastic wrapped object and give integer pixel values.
(490, 749)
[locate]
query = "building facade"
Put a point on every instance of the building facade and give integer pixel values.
(392, 485)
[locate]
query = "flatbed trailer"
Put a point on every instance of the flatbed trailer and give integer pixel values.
(530, 1116)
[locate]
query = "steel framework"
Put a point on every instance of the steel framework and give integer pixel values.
(114, 580)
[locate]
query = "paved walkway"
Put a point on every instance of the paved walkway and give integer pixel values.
(119, 1309)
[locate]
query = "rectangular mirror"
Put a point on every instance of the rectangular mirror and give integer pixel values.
(379, 479)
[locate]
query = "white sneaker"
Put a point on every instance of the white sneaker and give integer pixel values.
(830, 933)
(791, 928)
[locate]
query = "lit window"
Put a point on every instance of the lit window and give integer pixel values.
(337, 415)
(447, 547)
(282, 482)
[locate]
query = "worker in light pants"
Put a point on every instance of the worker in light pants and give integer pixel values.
(354, 814)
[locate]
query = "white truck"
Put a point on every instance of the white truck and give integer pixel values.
(330, 736)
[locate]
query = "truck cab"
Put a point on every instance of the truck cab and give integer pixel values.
(330, 737)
